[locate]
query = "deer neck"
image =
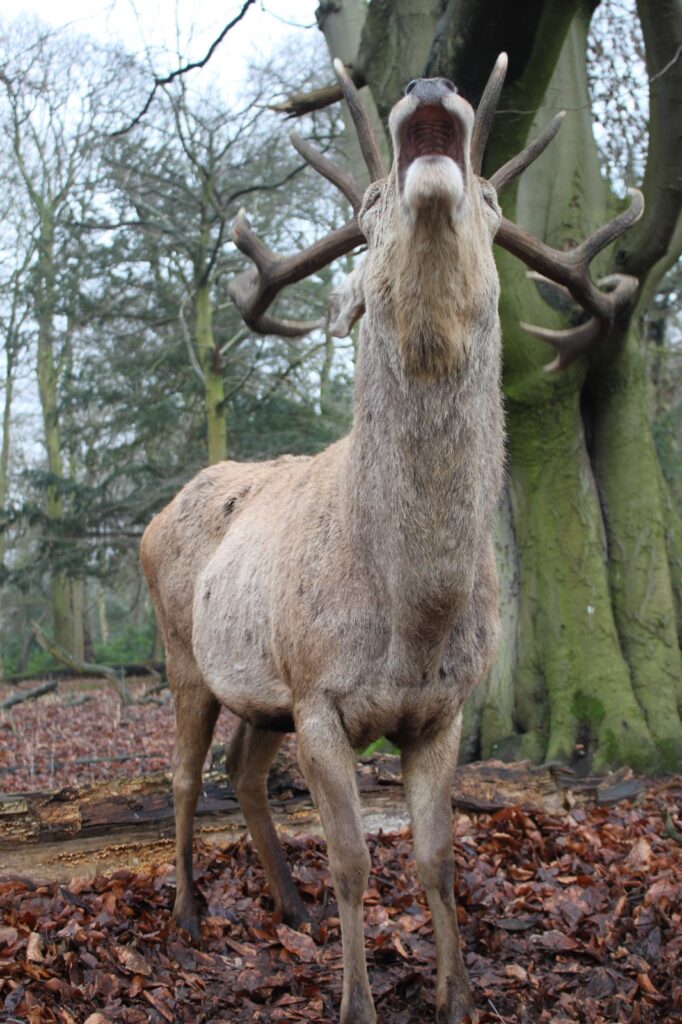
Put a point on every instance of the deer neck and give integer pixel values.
(426, 450)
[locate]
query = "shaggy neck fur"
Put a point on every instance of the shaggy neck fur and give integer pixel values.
(435, 279)
(425, 455)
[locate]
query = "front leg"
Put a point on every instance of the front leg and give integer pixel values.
(328, 763)
(427, 776)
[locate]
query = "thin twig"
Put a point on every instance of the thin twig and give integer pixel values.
(496, 1011)
(191, 66)
(668, 66)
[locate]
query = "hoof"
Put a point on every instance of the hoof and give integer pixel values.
(296, 917)
(358, 1009)
(188, 919)
(461, 1013)
(458, 1006)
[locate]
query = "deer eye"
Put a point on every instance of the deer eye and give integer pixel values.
(489, 196)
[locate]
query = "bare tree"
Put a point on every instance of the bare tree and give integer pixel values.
(182, 185)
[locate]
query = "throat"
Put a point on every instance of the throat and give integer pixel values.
(430, 296)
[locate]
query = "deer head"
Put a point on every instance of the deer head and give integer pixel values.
(429, 275)
(426, 271)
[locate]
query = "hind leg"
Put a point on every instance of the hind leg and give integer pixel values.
(248, 762)
(196, 712)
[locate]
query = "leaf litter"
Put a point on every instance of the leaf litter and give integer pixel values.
(563, 918)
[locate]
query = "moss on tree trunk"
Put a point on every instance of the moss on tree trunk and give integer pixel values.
(214, 390)
(639, 568)
(574, 695)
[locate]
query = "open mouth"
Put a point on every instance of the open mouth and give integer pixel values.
(431, 131)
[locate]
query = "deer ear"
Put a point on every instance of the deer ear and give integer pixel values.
(347, 303)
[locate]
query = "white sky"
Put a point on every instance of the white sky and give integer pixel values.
(161, 29)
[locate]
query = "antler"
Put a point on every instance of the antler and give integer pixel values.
(486, 112)
(254, 290)
(570, 269)
(366, 137)
(567, 272)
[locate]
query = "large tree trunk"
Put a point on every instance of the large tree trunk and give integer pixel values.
(590, 667)
(598, 634)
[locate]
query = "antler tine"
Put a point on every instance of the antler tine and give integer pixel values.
(517, 165)
(608, 232)
(577, 341)
(254, 290)
(486, 112)
(338, 177)
(366, 138)
(571, 270)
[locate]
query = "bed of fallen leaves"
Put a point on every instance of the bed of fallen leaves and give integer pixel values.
(82, 734)
(564, 918)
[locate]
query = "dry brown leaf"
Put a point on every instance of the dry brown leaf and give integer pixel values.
(301, 946)
(160, 999)
(640, 854)
(516, 971)
(34, 948)
(8, 936)
(132, 961)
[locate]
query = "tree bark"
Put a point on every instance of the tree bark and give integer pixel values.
(341, 22)
(214, 390)
(4, 464)
(77, 646)
(49, 400)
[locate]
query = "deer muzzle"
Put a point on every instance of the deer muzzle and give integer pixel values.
(431, 128)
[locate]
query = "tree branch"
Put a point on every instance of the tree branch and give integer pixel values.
(649, 242)
(82, 668)
(299, 103)
(191, 66)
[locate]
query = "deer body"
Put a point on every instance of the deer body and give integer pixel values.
(353, 594)
(367, 556)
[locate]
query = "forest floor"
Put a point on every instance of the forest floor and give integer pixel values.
(569, 897)
(81, 734)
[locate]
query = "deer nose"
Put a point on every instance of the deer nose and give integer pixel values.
(430, 90)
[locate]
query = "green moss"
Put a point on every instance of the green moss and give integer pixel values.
(641, 584)
(380, 746)
(588, 709)
(609, 751)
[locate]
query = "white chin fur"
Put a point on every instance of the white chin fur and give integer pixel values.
(432, 179)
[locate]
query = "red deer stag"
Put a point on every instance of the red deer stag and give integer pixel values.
(353, 594)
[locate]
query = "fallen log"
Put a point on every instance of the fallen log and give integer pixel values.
(83, 668)
(128, 668)
(113, 824)
(19, 698)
